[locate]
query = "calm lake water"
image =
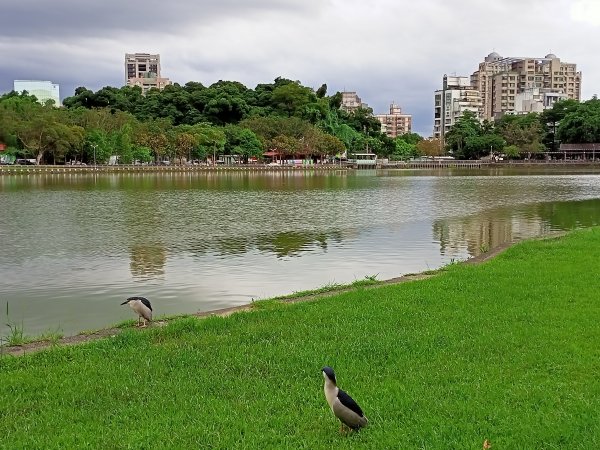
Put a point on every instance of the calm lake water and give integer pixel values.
(75, 246)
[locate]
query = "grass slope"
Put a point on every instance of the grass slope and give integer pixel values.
(506, 351)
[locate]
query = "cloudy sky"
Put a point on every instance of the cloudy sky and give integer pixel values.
(385, 50)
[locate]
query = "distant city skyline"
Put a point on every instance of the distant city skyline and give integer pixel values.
(383, 50)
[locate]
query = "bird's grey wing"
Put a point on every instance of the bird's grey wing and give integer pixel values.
(349, 402)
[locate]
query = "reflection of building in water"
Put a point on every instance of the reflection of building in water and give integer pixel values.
(147, 261)
(477, 234)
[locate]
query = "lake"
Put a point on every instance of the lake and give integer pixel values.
(74, 246)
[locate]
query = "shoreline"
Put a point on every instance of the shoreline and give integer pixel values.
(392, 165)
(35, 346)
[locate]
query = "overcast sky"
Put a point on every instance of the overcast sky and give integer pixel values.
(385, 50)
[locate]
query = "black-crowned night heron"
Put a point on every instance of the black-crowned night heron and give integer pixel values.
(142, 307)
(342, 405)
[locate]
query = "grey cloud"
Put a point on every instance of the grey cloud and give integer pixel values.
(386, 50)
(71, 18)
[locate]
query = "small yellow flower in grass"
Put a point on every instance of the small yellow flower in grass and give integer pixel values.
(486, 444)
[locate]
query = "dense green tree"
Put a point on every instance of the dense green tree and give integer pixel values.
(466, 128)
(581, 124)
(322, 91)
(210, 142)
(292, 98)
(243, 142)
(98, 146)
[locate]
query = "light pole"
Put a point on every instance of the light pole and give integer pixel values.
(94, 147)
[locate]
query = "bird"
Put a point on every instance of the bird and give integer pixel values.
(341, 404)
(142, 307)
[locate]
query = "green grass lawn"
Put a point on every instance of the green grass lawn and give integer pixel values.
(508, 350)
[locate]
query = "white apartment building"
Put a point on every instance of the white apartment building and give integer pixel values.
(43, 90)
(536, 100)
(456, 96)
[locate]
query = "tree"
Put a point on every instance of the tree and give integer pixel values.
(123, 145)
(322, 91)
(242, 141)
(210, 141)
(185, 142)
(430, 147)
(291, 98)
(581, 124)
(286, 145)
(461, 134)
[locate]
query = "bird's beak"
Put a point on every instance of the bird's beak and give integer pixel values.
(125, 302)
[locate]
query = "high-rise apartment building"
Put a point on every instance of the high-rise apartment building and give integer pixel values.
(395, 123)
(456, 96)
(143, 69)
(43, 90)
(514, 85)
(500, 81)
(351, 101)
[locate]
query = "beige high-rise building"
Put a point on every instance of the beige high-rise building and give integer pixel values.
(351, 101)
(501, 80)
(143, 69)
(395, 123)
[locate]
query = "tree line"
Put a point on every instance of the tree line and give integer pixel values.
(194, 122)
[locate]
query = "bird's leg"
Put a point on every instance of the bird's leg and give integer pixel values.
(144, 324)
(139, 324)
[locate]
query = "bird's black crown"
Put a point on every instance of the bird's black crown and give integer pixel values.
(329, 372)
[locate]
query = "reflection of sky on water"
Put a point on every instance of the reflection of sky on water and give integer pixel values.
(79, 246)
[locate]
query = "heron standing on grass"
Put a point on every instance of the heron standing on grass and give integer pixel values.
(341, 404)
(142, 307)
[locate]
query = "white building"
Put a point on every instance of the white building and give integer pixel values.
(43, 90)
(456, 96)
(536, 100)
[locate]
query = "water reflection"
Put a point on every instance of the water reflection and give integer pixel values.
(282, 244)
(147, 261)
(497, 226)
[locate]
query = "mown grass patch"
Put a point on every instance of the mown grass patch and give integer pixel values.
(506, 351)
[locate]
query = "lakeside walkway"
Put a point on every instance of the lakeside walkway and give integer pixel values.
(400, 165)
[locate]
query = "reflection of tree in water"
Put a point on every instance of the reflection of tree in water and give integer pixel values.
(482, 232)
(569, 215)
(475, 233)
(293, 243)
(289, 243)
(147, 261)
